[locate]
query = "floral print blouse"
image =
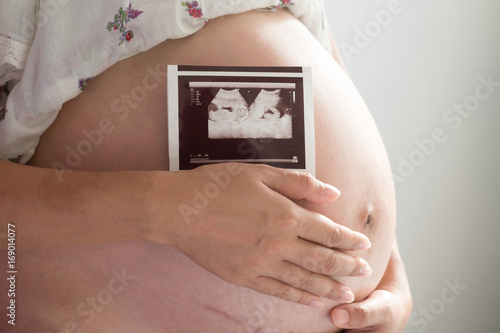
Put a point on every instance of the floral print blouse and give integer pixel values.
(85, 38)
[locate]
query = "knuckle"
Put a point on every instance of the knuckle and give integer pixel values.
(386, 312)
(307, 281)
(246, 171)
(306, 181)
(274, 245)
(286, 219)
(265, 171)
(389, 317)
(301, 299)
(333, 293)
(256, 262)
(334, 237)
(331, 264)
(365, 313)
(284, 292)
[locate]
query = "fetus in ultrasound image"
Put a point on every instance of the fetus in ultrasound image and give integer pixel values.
(268, 116)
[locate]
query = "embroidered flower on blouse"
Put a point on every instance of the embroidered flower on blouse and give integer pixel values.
(82, 83)
(3, 111)
(16, 159)
(192, 8)
(283, 4)
(121, 20)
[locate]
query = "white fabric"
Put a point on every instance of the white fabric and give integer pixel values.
(16, 36)
(52, 48)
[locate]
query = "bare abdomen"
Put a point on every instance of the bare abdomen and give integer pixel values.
(159, 289)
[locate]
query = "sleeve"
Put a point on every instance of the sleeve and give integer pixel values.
(17, 30)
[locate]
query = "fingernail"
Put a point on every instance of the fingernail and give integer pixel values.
(365, 245)
(340, 317)
(331, 191)
(347, 296)
(365, 271)
(316, 303)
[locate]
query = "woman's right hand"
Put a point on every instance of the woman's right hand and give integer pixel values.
(240, 222)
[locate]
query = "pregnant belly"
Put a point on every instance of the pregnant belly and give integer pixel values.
(144, 287)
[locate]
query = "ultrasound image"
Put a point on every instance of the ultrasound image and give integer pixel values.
(268, 116)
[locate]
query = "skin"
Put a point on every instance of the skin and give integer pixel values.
(386, 309)
(177, 271)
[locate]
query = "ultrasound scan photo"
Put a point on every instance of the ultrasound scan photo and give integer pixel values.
(267, 117)
(240, 115)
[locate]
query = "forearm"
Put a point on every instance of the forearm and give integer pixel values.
(84, 208)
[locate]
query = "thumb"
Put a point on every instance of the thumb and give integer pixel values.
(299, 185)
(372, 312)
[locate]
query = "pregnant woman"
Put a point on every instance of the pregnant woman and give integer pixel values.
(105, 250)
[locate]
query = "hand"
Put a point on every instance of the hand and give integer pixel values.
(385, 310)
(239, 222)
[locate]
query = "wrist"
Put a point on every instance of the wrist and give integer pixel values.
(156, 217)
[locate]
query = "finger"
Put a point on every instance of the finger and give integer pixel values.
(273, 287)
(314, 283)
(372, 312)
(326, 261)
(297, 185)
(320, 229)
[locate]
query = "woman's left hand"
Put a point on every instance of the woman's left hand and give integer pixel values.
(386, 310)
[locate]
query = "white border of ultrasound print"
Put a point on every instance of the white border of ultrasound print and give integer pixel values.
(173, 109)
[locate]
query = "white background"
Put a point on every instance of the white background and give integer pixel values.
(424, 61)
